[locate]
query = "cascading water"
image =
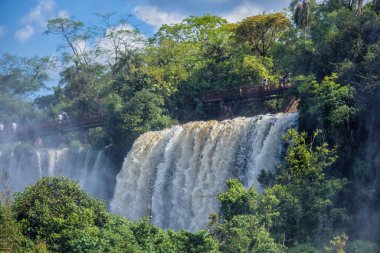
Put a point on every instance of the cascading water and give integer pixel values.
(92, 169)
(178, 172)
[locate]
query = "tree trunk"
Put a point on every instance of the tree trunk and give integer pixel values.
(360, 7)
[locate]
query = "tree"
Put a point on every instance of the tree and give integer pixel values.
(245, 233)
(302, 13)
(129, 117)
(262, 31)
(246, 219)
(19, 78)
(328, 105)
(305, 193)
(333, 5)
(192, 29)
(82, 90)
(145, 112)
(360, 7)
(55, 207)
(256, 68)
(10, 233)
(118, 42)
(238, 200)
(337, 244)
(71, 32)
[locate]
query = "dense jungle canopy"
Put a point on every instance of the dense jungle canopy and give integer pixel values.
(324, 197)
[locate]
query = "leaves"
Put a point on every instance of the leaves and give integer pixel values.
(262, 31)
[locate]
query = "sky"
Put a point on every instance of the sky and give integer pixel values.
(22, 22)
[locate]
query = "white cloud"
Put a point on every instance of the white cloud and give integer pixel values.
(81, 46)
(118, 40)
(242, 11)
(63, 14)
(37, 18)
(39, 14)
(155, 17)
(2, 30)
(24, 33)
(219, 1)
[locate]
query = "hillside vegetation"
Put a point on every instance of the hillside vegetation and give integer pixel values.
(324, 197)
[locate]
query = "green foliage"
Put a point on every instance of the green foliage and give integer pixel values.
(56, 216)
(303, 13)
(200, 241)
(148, 87)
(294, 55)
(238, 200)
(191, 29)
(303, 248)
(305, 163)
(372, 67)
(337, 244)
(71, 32)
(298, 208)
(10, 233)
(246, 216)
(327, 105)
(262, 31)
(19, 78)
(153, 239)
(54, 208)
(244, 233)
(141, 113)
(256, 69)
(305, 193)
(358, 246)
(75, 145)
(116, 236)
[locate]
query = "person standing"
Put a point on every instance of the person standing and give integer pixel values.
(1, 127)
(266, 84)
(60, 118)
(282, 81)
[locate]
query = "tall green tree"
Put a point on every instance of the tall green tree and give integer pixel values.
(10, 234)
(20, 78)
(74, 37)
(54, 208)
(262, 31)
(303, 13)
(328, 106)
(246, 219)
(305, 193)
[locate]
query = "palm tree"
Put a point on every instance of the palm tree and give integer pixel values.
(302, 13)
(360, 7)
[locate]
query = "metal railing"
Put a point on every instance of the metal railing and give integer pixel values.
(53, 126)
(259, 91)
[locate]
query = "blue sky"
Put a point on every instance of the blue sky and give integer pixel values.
(22, 22)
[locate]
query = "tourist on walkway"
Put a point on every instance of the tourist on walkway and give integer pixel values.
(60, 118)
(266, 84)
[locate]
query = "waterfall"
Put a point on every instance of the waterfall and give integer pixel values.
(92, 169)
(181, 170)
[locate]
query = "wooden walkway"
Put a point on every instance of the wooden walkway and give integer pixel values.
(51, 127)
(228, 99)
(245, 94)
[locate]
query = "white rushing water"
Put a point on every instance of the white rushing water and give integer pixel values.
(182, 169)
(92, 169)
